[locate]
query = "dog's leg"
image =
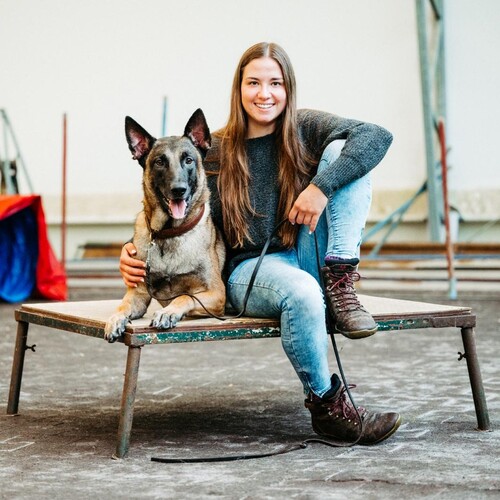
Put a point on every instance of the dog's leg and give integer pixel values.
(184, 305)
(134, 305)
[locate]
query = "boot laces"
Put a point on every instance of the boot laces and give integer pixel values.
(343, 404)
(341, 287)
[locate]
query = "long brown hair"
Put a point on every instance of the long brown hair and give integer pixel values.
(234, 176)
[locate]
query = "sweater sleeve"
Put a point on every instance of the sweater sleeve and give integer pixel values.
(366, 145)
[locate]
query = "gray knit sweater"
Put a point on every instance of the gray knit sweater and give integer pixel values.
(366, 144)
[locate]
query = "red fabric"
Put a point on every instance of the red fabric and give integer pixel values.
(50, 275)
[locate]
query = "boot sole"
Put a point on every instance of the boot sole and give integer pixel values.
(359, 334)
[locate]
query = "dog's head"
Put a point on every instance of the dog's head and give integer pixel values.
(173, 171)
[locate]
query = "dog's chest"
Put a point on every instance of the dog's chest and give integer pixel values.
(170, 262)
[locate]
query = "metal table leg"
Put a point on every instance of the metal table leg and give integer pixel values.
(17, 367)
(476, 381)
(128, 400)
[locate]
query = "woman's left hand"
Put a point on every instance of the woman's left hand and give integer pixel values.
(308, 207)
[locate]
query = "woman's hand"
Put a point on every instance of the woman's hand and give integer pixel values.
(132, 270)
(308, 207)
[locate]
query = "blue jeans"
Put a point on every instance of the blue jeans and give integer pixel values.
(287, 284)
(340, 228)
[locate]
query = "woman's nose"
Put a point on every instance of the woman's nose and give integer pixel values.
(264, 92)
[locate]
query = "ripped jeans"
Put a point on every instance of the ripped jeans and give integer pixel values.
(287, 284)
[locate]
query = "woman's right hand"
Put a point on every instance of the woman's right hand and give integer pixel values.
(132, 270)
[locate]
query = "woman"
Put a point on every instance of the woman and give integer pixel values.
(272, 162)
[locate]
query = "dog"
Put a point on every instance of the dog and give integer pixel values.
(174, 233)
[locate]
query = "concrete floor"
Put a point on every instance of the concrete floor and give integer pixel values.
(227, 398)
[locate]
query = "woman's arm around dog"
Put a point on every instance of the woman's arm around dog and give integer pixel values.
(132, 270)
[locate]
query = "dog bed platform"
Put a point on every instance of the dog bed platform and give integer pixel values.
(89, 318)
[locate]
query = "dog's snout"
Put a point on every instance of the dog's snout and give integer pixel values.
(178, 191)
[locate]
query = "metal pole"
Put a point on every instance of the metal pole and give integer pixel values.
(434, 197)
(440, 63)
(63, 201)
(17, 368)
(164, 117)
(128, 401)
(6, 162)
(476, 381)
(18, 150)
(452, 292)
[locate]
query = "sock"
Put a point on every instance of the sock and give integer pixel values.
(330, 259)
(335, 381)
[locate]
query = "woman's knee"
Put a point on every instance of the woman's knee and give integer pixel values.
(331, 153)
(269, 297)
(305, 296)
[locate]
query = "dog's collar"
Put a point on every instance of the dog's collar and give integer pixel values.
(171, 232)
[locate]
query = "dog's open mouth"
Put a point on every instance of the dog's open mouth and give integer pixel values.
(177, 208)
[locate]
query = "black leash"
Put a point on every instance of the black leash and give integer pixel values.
(234, 458)
(247, 294)
(330, 329)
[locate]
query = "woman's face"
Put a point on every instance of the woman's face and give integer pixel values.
(263, 95)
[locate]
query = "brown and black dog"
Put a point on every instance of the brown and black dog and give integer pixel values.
(174, 234)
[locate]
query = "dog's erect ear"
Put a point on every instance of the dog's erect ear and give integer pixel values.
(139, 141)
(197, 130)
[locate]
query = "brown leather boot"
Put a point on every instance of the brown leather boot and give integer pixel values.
(350, 318)
(335, 417)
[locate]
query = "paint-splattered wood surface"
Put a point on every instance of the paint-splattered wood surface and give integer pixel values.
(89, 318)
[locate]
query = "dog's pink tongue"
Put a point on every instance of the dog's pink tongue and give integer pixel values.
(178, 208)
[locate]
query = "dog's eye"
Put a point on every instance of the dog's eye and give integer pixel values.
(160, 162)
(188, 160)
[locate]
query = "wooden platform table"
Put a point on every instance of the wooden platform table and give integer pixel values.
(89, 318)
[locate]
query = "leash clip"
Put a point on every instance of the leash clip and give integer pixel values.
(152, 243)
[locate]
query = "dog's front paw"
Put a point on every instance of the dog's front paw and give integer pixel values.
(165, 319)
(115, 327)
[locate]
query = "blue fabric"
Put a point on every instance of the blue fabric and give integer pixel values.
(18, 255)
(283, 290)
